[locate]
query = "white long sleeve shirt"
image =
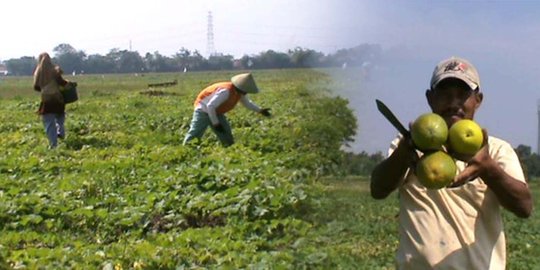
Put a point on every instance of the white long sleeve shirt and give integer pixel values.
(210, 103)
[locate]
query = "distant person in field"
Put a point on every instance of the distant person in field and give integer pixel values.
(460, 226)
(215, 101)
(48, 80)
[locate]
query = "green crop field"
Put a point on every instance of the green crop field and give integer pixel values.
(122, 192)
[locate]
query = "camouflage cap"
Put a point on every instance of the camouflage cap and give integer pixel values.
(455, 67)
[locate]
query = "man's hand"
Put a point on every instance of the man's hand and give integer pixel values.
(390, 173)
(407, 139)
(475, 163)
(218, 127)
(265, 112)
(410, 149)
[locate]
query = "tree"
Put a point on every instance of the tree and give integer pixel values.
(191, 61)
(246, 62)
(530, 162)
(130, 62)
(362, 163)
(126, 61)
(182, 59)
(22, 66)
(272, 59)
(69, 58)
(158, 63)
(217, 62)
(96, 63)
(305, 58)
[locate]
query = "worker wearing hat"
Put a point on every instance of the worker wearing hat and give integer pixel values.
(215, 101)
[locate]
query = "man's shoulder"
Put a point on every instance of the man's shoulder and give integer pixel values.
(495, 142)
(223, 84)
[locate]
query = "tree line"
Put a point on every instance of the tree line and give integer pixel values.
(530, 162)
(125, 61)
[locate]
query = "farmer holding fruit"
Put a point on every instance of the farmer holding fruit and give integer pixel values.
(48, 80)
(217, 99)
(459, 225)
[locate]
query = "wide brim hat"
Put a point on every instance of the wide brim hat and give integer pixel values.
(456, 67)
(245, 83)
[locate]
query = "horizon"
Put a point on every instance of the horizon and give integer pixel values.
(192, 51)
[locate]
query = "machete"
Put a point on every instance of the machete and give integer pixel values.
(392, 118)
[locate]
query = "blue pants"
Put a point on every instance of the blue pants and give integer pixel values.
(201, 121)
(54, 127)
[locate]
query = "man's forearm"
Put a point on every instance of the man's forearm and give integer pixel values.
(389, 174)
(512, 194)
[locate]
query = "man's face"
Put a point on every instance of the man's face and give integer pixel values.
(454, 100)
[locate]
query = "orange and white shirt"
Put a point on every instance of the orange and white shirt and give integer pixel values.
(220, 98)
(454, 228)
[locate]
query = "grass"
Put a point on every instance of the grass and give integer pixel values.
(20, 87)
(121, 189)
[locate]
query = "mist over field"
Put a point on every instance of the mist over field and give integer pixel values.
(400, 79)
(500, 38)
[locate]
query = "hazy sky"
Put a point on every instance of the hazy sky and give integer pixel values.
(239, 26)
(501, 38)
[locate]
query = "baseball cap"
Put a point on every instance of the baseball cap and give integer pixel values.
(456, 67)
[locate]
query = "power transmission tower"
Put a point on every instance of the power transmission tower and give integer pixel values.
(210, 36)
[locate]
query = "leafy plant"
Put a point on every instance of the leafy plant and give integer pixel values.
(122, 191)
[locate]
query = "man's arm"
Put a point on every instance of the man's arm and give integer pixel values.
(60, 80)
(215, 101)
(513, 194)
(390, 173)
(249, 104)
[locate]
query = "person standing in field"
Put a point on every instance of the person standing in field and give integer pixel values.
(215, 101)
(458, 227)
(48, 80)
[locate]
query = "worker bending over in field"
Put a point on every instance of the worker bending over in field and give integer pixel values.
(460, 226)
(217, 99)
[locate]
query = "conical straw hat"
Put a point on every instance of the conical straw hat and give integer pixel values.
(245, 83)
